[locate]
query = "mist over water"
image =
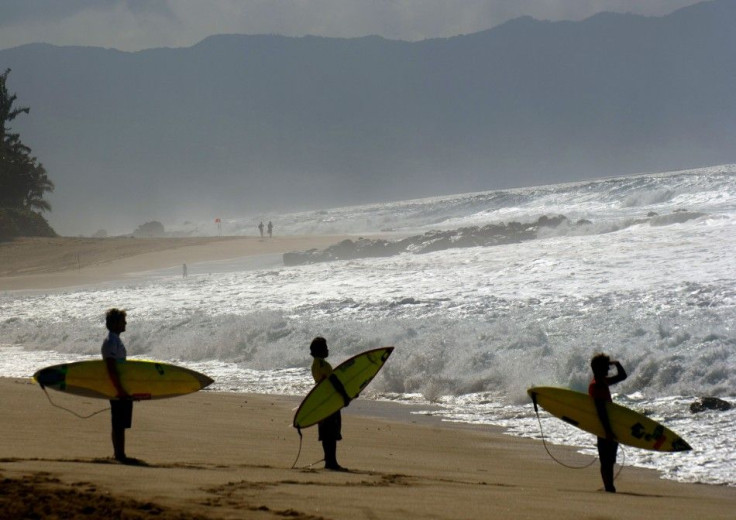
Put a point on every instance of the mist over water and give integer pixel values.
(642, 269)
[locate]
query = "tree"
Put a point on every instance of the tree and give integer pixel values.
(23, 180)
(150, 229)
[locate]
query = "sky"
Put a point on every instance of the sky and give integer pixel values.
(132, 25)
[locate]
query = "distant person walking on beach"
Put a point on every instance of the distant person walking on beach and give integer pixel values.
(599, 391)
(329, 429)
(260, 228)
(184, 270)
(113, 352)
(270, 229)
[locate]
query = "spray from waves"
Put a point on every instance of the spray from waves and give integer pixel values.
(648, 198)
(702, 189)
(503, 348)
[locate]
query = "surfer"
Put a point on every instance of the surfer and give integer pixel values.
(270, 229)
(329, 429)
(121, 408)
(260, 228)
(599, 391)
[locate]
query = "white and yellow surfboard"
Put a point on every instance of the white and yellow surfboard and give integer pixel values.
(140, 379)
(630, 427)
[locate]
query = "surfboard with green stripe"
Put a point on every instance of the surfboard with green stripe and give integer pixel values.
(354, 374)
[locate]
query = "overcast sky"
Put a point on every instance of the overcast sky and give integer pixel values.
(140, 24)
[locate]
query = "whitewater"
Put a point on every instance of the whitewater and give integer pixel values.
(641, 268)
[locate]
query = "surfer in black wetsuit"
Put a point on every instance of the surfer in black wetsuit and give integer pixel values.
(329, 429)
(599, 391)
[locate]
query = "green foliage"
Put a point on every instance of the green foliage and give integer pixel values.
(23, 180)
(17, 222)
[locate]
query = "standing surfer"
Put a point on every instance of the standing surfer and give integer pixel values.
(113, 352)
(329, 429)
(599, 391)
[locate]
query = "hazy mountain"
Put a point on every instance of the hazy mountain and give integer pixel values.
(240, 124)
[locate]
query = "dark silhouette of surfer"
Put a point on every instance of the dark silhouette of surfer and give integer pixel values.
(270, 229)
(599, 391)
(113, 352)
(329, 429)
(260, 228)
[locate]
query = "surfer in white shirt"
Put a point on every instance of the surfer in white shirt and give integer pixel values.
(113, 352)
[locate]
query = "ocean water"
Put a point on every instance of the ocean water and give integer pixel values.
(643, 270)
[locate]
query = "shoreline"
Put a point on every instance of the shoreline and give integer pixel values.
(237, 464)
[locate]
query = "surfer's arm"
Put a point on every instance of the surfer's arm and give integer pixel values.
(112, 371)
(340, 389)
(620, 374)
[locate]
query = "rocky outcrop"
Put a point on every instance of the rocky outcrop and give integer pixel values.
(474, 236)
(710, 403)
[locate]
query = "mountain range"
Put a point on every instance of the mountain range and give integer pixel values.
(241, 125)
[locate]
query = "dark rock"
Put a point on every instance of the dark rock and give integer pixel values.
(474, 236)
(710, 403)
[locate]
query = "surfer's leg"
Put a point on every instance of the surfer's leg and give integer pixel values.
(118, 443)
(329, 433)
(122, 415)
(607, 454)
(329, 446)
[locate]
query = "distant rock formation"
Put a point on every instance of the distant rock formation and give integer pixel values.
(709, 403)
(474, 236)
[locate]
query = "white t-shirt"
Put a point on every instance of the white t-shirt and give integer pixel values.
(113, 347)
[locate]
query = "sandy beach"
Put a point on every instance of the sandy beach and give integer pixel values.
(48, 263)
(217, 455)
(226, 455)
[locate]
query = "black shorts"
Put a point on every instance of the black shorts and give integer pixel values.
(607, 451)
(330, 429)
(122, 413)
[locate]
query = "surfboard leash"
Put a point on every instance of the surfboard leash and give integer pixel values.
(299, 431)
(72, 411)
(544, 443)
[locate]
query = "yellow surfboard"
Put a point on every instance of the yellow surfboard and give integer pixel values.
(630, 427)
(141, 379)
(354, 374)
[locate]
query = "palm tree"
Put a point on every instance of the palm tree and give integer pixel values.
(23, 180)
